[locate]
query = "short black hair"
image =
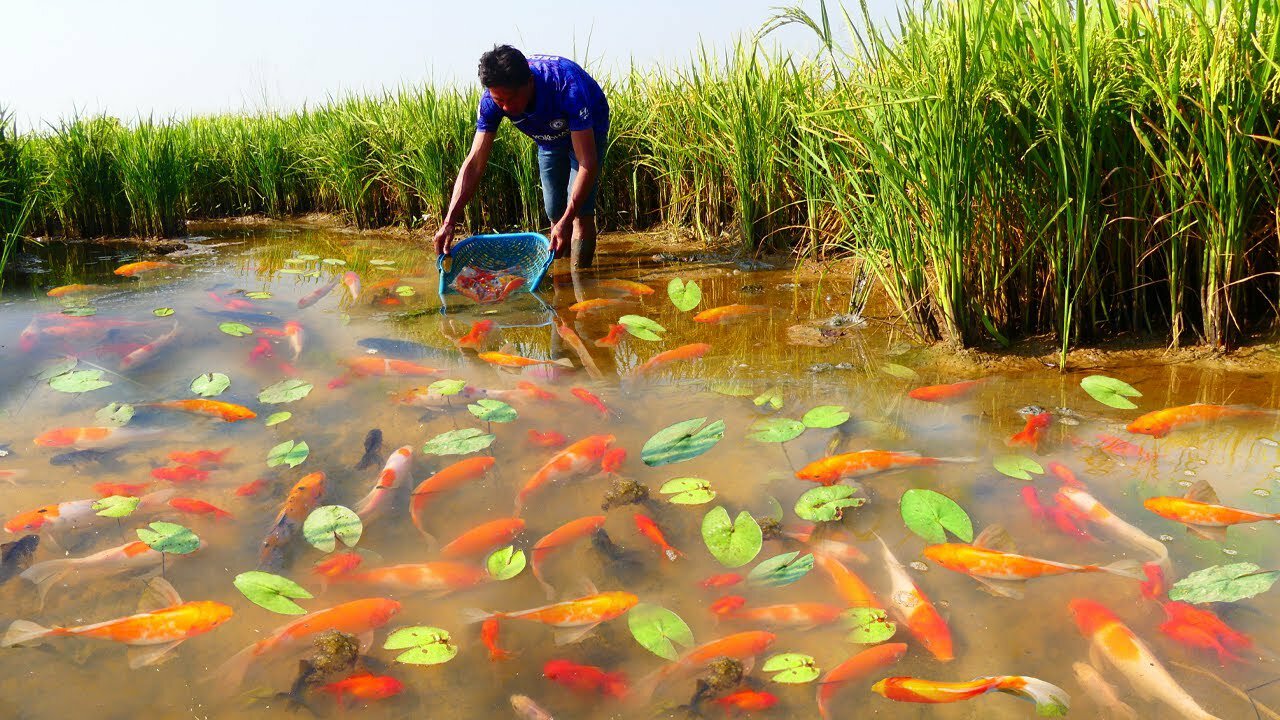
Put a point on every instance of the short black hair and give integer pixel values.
(504, 66)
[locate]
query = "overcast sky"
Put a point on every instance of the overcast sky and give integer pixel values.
(182, 57)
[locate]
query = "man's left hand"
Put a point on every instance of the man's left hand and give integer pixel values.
(561, 237)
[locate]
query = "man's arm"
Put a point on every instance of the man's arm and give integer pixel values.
(464, 188)
(584, 148)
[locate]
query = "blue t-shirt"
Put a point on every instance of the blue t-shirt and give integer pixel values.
(565, 99)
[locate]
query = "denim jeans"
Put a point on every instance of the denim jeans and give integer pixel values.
(558, 168)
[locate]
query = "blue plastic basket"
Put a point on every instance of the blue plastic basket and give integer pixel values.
(529, 253)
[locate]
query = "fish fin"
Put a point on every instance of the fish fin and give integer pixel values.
(1012, 589)
(46, 574)
(158, 595)
(476, 615)
(995, 537)
(563, 362)
(1050, 700)
(1202, 491)
(1206, 532)
(958, 460)
(232, 671)
(570, 636)
(24, 632)
(1131, 569)
(145, 655)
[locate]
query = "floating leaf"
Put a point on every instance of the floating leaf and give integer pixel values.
(732, 389)
(328, 524)
(57, 367)
(900, 371)
(781, 569)
(80, 311)
(682, 441)
(235, 329)
(382, 263)
(405, 291)
(162, 312)
(775, 430)
(258, 295)
(430, 645)
(447, 387)
(930, 514)
(1017, 466)
(792, 668)
(659, 630)
(277, 418)
(292, 271)
(334, 261)
(771, 398)
(868, 626)
(642, 327)
(288, 453)
(688, 491)
(117, 414)
(78, 381)
(1223, 583)
(458, 442)
(1110, 391)
(825, 416)
(827, 503)
(684, 295)
(210, 384)
(506, 563)
(116, 506)
(285, 391)
(272, 592)
(734, 543)
(169, 537)
(493, 411)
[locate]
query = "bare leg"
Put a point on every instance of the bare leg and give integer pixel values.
(584, 242)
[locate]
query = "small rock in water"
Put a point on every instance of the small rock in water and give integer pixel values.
(1228, 551)
(1166, 538)
(1261, 492)
(847, 320)
(919, 566)
(1268, 442)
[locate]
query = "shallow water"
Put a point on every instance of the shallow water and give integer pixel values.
(1033, 636)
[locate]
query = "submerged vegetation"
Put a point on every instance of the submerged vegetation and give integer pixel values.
(1002, 168)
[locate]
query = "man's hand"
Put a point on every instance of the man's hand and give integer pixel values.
(561, 237)
(444, 239)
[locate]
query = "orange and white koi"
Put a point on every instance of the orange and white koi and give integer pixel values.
(851, 588)
(611, 339)
(1130, 656)
(1050, 700)
(797, 616)
(316, 295)
(833, 544)
(1160, 423)
(367, 365)
(85, 438)
(199, 457)
(570, 532)
(474, 339)
(575, 618)
(304, 497)
(398, 469)
(855, 668)
(650, 530)
(77, 514)
(151, 350)
(692, 351)
(576, 460)
(516, 361)
(591, 399)
(128, 558)
(1103, 693)
(352, 281)
(445, 479)
(869, 463)
(1031, 433)
(913, 609)
(952, 392)
(1088, 507)
(571, 339)
(483, 538)
(728, 313)
(225, 411)
(627, 286)
(1200, 512)
(437, 578)
(192, 506)
(296, 336)
(138, 268)
(30, 336)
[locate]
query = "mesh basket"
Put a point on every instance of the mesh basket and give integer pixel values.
(528, 253)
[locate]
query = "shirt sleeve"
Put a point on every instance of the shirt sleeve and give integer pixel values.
(489, 115)
(576, 104)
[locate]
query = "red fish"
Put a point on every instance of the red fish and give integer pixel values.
(748, 700)
(489, 636)
(716, 582)
(1031, 498)
(548, 439)
(535, 392)
(591, 399)
(586, 679)
(1064, 473)
(199, 458)
(1155, 586)
(365, 687)
(1060, 517)
(180, 474)
(953, 392)
(653, 533)
(573, 461)
(261, 350)
(1202, 629)
(1112, 445)
(192, 506)
(612, 460)
(122, 489)
(250, 489)
(474, 340)
(615, 334)
(1031, 433)
(337, 564)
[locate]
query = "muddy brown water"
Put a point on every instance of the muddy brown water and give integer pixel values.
(1032, 636)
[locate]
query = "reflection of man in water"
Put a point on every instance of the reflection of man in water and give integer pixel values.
(555, 102)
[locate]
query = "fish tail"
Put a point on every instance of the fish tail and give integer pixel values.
(45, 574)
(1131, 569)
(1050, 700)
(563, 362)
(232, 673)
(476, 615)
(25, 632)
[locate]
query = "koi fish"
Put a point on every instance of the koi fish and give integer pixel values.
(358, 617)
(728, 313)
(515, 361)
(594, 304)
(952, 392)
(146, 266)
(869, 463)
(527, 709)
(365, 687)
(1204, 630)
(1200, 512)
(1130, 656)
(574, 618)
(798, 616)
(855, 668)
(316, 295)
(611, 339)
(1050, 700)
(848, 585)
(913, 609)
(999, 571)
(474, 340)
(570, 532)
(489, 636)
(76, 514)
(575, 460)
(180, 474)
(296, 336)
(1103, 693)
(15, 557)
(261, 350)
(162, 623)
(1088, 507)
(586, 679)
(1060, 515)
(304, 497)
(548, 439)
(191, 506)
(1030, 434)
(1112, 445)
(29, 338)
(151, 350)
(535, 392)
(836, 545)
(591, 399)
(428, 398)
(128, 558)
(738, 646)
(352, 281)
(1064, 473)
(199, 457)
(337, 564)
(121, 489)
(251, 488)
(83, 438)
(65, 290)
(650, 530)
(366, 365)
(445, 479)
(715, 582)
(230, 303)
(571, 339)
(747, 700)
(398, 467)
(483, 538)
(225, 411)
(612, 460)
(692, 351)
(1159, 423)
(627, 286)
(372, 450)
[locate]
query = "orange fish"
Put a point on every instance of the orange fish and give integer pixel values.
(548, 439)
(1202, 629)
(848, 585)
(612, 460)
(953, 392)
(728, 313)
(1029, 435)
(1112, 445)
(1050, 700)
(1200, 512)
(833, 544)
(365, 687)
(535, 392)
(368, 365)
(483, 538)
(591, 399)
(747, 700)
(570, 532)
(445, 479)
(627, 286)
(199, 507)
(738, 646)
(692, 351)
(199, 457)
(65, 290)
(155, 631)
(358, 617)
(615, 334)
(226, 411)
(594, 304)
(122, 489)
(489, 636)
(146, 266)
(515, 361)
(83, 438)
(855, 668)
(913, 609)
(575, 460)
(725, 580)
(474, 339)
(352, 281)
(304, 497)
(585, 679)
(576, 617)
(868, 463)
(650, 530)
(798, 616)
(180, 474)
(337, 564)
(1159, 423)
(251, 488)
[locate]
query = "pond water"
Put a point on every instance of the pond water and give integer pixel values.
(256, 278)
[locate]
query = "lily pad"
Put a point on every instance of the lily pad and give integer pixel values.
(931, 514)
(792, 668)
(271, 591)
(235, 329)
(210, 384)
(117, 414)
(659, 630)
(1019, 467)
(867, 625)
(80, 311)
(1223, 583)
(78, 381)
(170, 538)
(734, 543)
(682, 441)
(771, 398)
(58, 367)
(493, 411)
(684, 295)
(642, 327)
(688, 491)
(447, 387)
(288, 453)
(277, 418)
(285, 391)
(328, 524)
(458, 442)
(775, 430)
(899, 371)
(1110, 391)
(116, 506)
(405, 291)
(162, 312)
(781, 570)
(825, 416)
(506, 563)
(258, 295)
(732, 389)
(827, 503)
(334, 261)
(382, 263)
(427, 645)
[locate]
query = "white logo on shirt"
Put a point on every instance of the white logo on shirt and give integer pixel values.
(557, 124)
(584, 113)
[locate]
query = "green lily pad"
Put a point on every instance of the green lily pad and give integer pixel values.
(447, 387)
(931, 514)
(210, 384)
(792, 668)
(771, 398)
(288, 453)
(116, 414)
(506, 563)
(116, 506)
(271, 591)
(688, 491)
(285, 391)
(162, 312)
(1110, 391)
(78, 381)
(382, 263)
(258, 295)
(900, 371)
(235, 329)
(1019, 467)
(825, 416)
(493, 411)
(458, 442)
(734, 543)
(1223, 583)
(334, 261)
(732, 389)
(405, 291)
(80, 311)
(775, 430)
(427, 645)
(642, 327)
(277, 418)
(868, 626)
(827, 503)
(684, 295)
(170, 538)
(328, 524)
(781, 570)
(58, 367)
(682, 441)
(659, 630)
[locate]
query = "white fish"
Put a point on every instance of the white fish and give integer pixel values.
(1103, 693)
(392, 477)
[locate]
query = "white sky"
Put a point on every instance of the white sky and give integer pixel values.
(182, 57)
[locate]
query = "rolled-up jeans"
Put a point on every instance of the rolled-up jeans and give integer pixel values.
(558, 168)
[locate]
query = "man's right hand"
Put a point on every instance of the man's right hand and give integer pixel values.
(444, 238)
